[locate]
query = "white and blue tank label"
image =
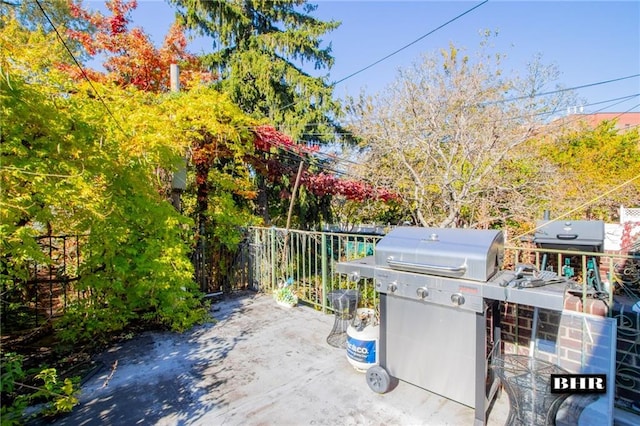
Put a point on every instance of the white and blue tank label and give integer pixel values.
(361, 350)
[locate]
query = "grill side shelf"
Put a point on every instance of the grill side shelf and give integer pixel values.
(356, 269)
(548, 296)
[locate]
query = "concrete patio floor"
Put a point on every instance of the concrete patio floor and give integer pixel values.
(259, 364)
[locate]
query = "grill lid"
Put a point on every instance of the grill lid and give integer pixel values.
(452, 252)
(579, 235)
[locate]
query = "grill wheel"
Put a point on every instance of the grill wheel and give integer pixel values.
(378, 379)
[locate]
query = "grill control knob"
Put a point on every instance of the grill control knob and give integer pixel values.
(457, 299)
(422, 292)
(392, 287)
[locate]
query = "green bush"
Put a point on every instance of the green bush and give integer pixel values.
(58, 396)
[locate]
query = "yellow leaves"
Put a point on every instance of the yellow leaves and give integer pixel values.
(249, 195)
(26, 53)
(590, 162)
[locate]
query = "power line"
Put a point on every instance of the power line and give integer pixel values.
(84, 74)
(585, 204)
(552, 92)
(396, 51)
(622, 98)
(410, 44)
(293, 154)
(578, 118)
(290, 151)
(616, 101)
(547, 130)
(86, 77)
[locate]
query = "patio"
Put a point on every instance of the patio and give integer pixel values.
(259, 364)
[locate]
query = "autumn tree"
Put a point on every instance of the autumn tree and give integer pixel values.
(218, 198)
(77, 163)
(131, 59)
(594, 169)
(445, 134)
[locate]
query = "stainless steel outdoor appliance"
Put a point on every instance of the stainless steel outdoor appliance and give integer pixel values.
(573, 235)
(438, 289)
(579, 235)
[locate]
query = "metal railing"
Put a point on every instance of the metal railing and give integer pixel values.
(47, 288)
(308, 258)
(269, 257)
(602, 275)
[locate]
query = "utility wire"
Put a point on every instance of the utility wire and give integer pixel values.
(622, 98)
(583, 205)
(616, 101)
(547, 131)
(290, 153)
(84, 74)
(307, 159)
(410, 44)
(552, 92)
(549, 127)
(396, 51)
(86, 77)
(579, 117)
(293, 154)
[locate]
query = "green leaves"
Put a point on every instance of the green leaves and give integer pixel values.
(61, 396)
(74, 163)
(261, 49)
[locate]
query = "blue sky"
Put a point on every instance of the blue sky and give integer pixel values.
(589, 41)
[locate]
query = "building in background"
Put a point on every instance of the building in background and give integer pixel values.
(625, 121)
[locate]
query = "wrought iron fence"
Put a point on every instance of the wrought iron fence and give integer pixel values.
(270, 257)
(48, 287)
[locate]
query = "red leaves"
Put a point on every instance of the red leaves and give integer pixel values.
(325, 184)
(131, 57)
(133, 60)
(267, 137)
(118, 24)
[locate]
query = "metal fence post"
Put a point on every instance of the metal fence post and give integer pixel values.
(251, 259)
(325, 271)
(272, 235)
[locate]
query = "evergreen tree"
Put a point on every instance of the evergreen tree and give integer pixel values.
(260, 50)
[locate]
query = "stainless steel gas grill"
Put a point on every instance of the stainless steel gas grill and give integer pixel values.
(438, 288)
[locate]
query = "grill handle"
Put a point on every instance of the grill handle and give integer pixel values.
(426, 268)
(566, 236)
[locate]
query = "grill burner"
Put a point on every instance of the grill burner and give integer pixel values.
(437, 289)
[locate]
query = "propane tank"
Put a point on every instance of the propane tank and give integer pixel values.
(362, 340)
